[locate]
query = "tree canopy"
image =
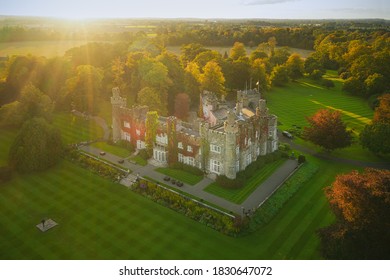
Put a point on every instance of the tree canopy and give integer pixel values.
(37, 146)
(327, 130)
(361, 205)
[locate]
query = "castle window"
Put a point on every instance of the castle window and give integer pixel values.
(189, 149)
(249, 142)
(248, 159)
(191, 161)
(180, 145)
(237, 165)
(126, 136)
(215, 166)
(138, 132)
(180, 157)
(215, 148)
(258, 150)
(257, 134)
(237, 150)
(270, 134)
(126, 124)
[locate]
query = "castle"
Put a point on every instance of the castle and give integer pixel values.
(225, 141)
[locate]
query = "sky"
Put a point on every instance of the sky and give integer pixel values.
(267, 9)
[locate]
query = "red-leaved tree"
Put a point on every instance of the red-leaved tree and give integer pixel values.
(327, 130)
(361, 204)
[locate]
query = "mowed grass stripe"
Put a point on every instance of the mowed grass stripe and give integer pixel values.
(75, 129)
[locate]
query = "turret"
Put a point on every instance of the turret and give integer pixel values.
(230, 128)
(117, 102)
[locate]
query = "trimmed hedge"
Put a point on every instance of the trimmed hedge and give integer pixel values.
(190, 208)
(272, 206)
(94, 165)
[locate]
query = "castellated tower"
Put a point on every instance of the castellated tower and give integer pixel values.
(231, 130)
(117, 102)
(262, 113)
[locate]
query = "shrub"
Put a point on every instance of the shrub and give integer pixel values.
(224, 181)
(188, 207)
(144, 154)
(301, 159)
(327, 83)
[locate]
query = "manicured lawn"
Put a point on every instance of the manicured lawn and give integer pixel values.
(103, 220)
(138, 160)
(7, 136)
(76, 129)
(115, 150)
(297, 100)
(239, 195)
(180, 175)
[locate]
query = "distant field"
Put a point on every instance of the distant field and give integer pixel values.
(176, 50)
(39, 48)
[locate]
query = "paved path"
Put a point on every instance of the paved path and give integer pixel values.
(253, 201)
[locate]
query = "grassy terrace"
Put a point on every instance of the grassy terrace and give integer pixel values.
(115, 150)
(76, 129)
(138, 160)
(239, 195)
(180, 175)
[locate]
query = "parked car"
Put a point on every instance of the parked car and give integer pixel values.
(287, 134)
(166, 178)
(179, 184)
(121, 161)
(102, 153)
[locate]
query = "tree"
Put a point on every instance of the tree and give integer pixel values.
(32, 103)
(259, 74)
(376, 136)
(83, 90)
(375, 84)
(37, 146)
(190, 51)
(382, 112)
(237, 51)
(327, 130)
(151, 129)
(279, 75)
(182, 106)
(153, 99)
(361, 205)
(192, 80)
(212, 78)
(294, 66)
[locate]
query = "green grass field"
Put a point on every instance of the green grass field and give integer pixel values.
(181, 175)
(239, 195)
(103, 220)
(138, 160)
(76, 129)
(297, 100)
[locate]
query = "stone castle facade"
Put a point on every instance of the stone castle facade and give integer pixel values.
(225, 141)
